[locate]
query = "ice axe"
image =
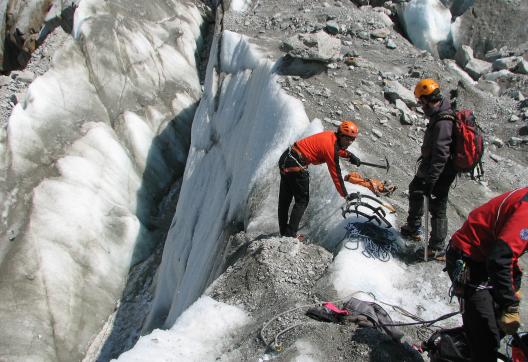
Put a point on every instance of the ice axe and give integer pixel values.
(386, 166)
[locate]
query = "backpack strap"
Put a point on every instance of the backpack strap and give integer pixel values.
(446, 116)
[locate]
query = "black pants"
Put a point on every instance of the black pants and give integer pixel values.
(480, 311)
(437, 205)
(293, 185)
(480, 324)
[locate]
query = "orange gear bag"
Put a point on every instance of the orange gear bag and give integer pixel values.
(374, 185)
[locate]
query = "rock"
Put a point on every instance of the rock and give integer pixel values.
(385, 19)
(515, 141)
(501, 74)
(357, 62)
(349, 52)
(380, 33)
(317, 46)
(393, 90)
(521, 67)
(477, 68)
(390, 44)
(514, 118)
(332, 27)
(463, 55)
(495, 54)
(26, 76)
(451, 64)
(489, 86)
(377, 132)
(363, 35)
(4, 80)
(517, 95)
(506, 63)
(497, 142)
(405, 112)
(495, 157)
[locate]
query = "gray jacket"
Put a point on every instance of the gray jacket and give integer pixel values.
(437, 142)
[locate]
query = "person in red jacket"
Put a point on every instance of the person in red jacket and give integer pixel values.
(325, 147)
(482, 261)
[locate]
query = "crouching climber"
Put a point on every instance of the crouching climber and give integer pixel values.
(482, 261)
(436, 171)
(325, 147)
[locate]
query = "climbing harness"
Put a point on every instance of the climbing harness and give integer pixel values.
(380, 249)
(356, 200)
(296, 156)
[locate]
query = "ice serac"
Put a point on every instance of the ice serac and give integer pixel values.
(241, 126)
(427, 24)
(90, 151)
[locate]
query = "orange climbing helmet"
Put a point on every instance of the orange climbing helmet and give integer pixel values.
(426, 87)
(348, 128)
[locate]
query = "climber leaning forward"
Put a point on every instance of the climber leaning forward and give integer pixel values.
(325, 147)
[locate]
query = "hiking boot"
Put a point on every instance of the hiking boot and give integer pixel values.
(432, 253)
(300, 237)
(411, 232)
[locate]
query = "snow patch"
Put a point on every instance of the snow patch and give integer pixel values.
(201, 333)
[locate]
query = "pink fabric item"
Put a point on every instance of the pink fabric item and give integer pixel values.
(334, 309)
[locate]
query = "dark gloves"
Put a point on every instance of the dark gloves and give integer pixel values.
(353, 159)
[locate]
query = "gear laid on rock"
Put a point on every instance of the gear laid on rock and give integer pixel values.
(377, 186)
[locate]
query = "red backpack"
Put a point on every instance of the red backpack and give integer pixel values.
(468, 144)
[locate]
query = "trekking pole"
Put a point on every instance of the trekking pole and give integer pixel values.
(426, 236)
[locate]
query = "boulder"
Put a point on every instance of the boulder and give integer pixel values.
(393, 90)
(477, 68)
(332, 27)
(494, 54)
(521, 67)
(316, 47)
(380, 33)
(405, 112)
(463, 55)
(506, 63)
(489, 86)
(501, 74)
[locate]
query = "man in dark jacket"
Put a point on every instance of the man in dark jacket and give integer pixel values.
(325, 147)
(482, 261)
(436, 172)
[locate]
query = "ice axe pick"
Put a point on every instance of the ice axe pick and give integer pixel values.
(386, 166)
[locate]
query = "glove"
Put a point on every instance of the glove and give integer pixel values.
(428, 188)
(518, 295)
(510, 320)
(353, 159)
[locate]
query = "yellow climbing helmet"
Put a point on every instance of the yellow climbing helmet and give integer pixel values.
(425, 87)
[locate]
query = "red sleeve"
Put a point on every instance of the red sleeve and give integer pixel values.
(515, 230)
(332, 162)
(503, 268)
